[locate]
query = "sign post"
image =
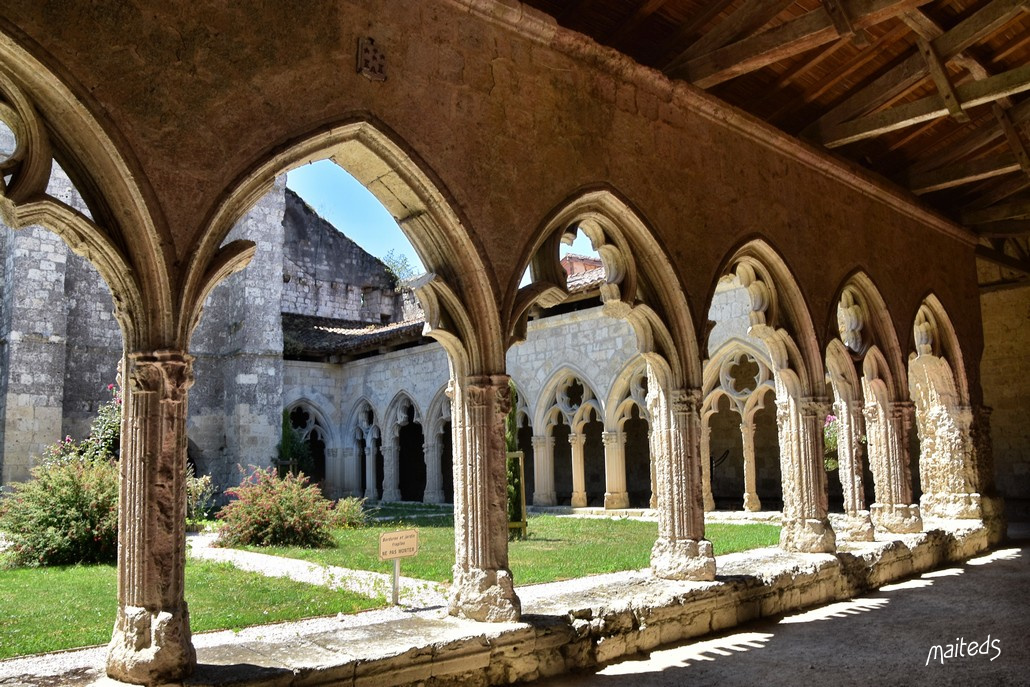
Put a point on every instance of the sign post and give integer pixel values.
(395, 546)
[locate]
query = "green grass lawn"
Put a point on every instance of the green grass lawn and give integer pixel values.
(558, 548)
(47, 609)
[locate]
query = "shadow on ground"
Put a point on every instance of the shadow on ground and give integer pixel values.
(883, 638)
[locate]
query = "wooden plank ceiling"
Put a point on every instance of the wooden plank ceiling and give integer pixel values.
(934, 95)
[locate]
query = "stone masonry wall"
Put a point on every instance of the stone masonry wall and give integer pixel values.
(1006, 359)
(325, 274)
(236, 402)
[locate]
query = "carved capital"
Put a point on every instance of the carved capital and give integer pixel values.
(169, 374)
(611, 438)
(483, 390)
(685, 401)
(814, 407)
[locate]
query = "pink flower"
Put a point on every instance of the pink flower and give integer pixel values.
(110, 387)
(830, 419)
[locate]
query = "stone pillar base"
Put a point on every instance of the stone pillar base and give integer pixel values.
(857, 527)
(151, 648)
(752, 504)
(579, 499)
(484, 595)
(895, 519)
(807, 536)
(391, 495)
(433, 496)
(952, 506)
(993, 508)
(544, 498)
(687, 559)
(616, 500)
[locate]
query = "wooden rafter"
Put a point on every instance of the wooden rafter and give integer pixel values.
(980, 138)
(799, 35)
(1005, 229)
(962, 173)
(925, 109)
(689, 30)
(1002, 259)
(1016, 143)
(939, 74)
(620, 32)
(997, 213)
(908, 73)
(746, 19)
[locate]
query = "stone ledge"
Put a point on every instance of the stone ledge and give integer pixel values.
(576, 624)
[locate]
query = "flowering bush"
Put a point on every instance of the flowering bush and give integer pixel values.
(68, 512)
(271, 511)
(350, 513)
(200, 496)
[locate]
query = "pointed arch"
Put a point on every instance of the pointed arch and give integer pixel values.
(640, 286)
(550, 396)
(861, 317)
(457, 291)
(780, 316)
(933, 333)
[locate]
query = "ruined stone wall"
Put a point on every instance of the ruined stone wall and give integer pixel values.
(1006, 360)
(325, 274)
(236, 403)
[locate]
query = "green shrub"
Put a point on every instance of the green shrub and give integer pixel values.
(200, 496)
(67, 513)
(273, 511)
(350, 512)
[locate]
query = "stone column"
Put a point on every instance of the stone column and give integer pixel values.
(615, 494)
(434, 478)
(806, 527)
(856, 523)
(543, 471)
(350, 472)
(483, 589)
(579, 488)
(371, 478)
(747, 435)
(391, 470)
(151, 641)
(706, 467)
(681, 552)
(896, 513)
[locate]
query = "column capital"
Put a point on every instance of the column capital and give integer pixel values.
(577, 438)
(611, 438)
(167, 373)
(685, 401)
(814, 406)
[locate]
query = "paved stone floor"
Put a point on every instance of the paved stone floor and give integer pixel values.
(884, 638)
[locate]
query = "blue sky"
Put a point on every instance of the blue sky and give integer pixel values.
(347, 205)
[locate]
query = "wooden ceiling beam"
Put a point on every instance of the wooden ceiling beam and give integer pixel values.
(1015, 141)
(745, 20)
(618, 34)
(998, 213)
(941, 79)
(688, 31)
(1002, 259)
(963, 173)
(931, 107)
(981, 137)
(1005, 229)
(799, 35)
(912, 69)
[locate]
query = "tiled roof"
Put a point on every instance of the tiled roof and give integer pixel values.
(305, 335)
(322, 336)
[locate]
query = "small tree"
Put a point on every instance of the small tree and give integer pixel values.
(516, 498)
(294, 452)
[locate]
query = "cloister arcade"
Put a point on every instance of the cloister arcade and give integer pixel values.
(479, 209)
